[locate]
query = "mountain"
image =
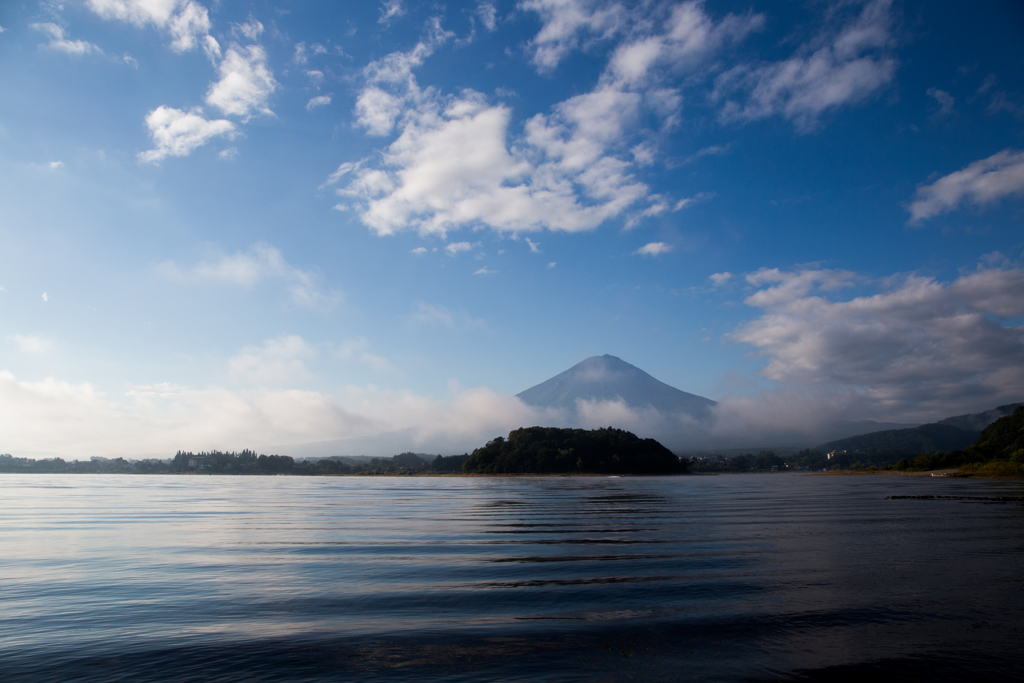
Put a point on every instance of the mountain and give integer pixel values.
(607, 378)
(976, 422)
(950, 434)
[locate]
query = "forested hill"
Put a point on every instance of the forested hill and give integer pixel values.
(549, 450)
(924, 439)
(999, 451)
(951, 434)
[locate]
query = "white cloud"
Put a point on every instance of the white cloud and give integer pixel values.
(316, 76)
(785, 286)
(720, 279)
(451, 167)
(918, 346)
(138, 12)
(319, 101)
(229, 154)
(488, 15)
(187, 21)
(552, 264)
(62, 44)
(658, 206)
(689, 35)
(470, 417)
(55, 165)
(176, 133)
(675, 37)
(484, 271)
(78, 420)
(943, 99)
(245, 84)
(343, 170)
(390, 9)
(455, 162)
(713, 150)
(190, 27)
(643, 154)
(850, 67)
(262, 262)
(34, 344)
(980, 183)
(300, 56)
(278, 361)
(654, 249)
(690, 201)
(565, 21)
(376, 109)
(457, 247)
(534, 246)
(45, 297)
(251, 29)
(419, 251)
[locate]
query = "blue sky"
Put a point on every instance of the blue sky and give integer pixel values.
(248, 224)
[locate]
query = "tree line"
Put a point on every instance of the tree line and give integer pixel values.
(233, 462)
(999, 450)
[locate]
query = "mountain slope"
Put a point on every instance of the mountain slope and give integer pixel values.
(950, 434)
(924, 439)
(976, 422)
(607, 378)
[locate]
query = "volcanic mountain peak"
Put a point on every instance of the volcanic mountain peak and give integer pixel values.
(607, 378)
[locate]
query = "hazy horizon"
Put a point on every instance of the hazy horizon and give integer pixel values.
(238, 225)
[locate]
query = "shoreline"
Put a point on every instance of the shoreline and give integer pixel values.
(385, 474)
(944, 473)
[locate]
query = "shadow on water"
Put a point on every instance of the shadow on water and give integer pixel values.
(714, 651)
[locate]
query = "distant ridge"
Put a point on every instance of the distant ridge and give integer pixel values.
(978, 421)
(607, 378)
(950, 434)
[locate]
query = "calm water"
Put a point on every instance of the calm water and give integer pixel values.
(759, 577)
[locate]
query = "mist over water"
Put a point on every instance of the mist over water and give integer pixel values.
(756, 577)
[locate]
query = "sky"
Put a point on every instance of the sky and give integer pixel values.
(231, 225)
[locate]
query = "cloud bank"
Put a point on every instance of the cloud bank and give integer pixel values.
(918, 348)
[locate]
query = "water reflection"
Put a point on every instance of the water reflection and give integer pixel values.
(773, 577)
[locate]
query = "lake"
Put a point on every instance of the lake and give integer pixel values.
(733, 577)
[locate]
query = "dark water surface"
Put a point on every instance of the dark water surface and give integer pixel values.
(737, 577)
